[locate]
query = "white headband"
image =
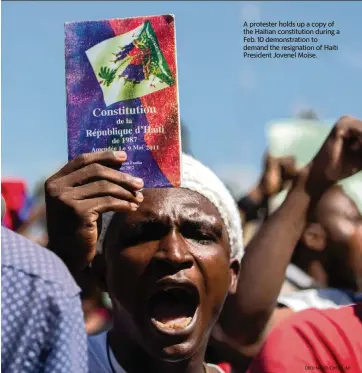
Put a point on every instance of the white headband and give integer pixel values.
(200, 179)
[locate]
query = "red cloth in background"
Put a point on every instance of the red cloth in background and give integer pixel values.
(17, 207)
(225, 367)
(314, 340)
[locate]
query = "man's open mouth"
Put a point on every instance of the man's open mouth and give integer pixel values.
(173, 307)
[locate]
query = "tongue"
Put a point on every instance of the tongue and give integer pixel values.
(179, 323)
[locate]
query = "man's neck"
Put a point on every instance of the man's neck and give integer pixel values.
(133, 359)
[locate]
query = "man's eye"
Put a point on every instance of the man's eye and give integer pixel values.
(205, 241)
(197, 233)
(142, 233)
(200, 237)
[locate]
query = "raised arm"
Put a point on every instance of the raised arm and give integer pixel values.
(275, 176)
(245, 315)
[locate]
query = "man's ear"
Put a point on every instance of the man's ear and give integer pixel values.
(234, 270)
(99, 271)
(314, 237)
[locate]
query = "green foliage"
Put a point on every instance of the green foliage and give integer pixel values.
(108, 75)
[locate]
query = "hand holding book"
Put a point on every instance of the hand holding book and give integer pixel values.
(78, 194)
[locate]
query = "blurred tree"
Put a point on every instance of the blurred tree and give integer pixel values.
(308, 114)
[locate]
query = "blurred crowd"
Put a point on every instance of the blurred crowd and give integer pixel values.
(303, 254)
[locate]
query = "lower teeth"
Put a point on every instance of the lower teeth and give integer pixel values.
(179, 324)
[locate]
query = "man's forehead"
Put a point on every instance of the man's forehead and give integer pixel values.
(167, 207)
(178, 202)
(177, 196)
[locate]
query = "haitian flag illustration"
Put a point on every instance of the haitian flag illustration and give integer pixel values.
(122, 94)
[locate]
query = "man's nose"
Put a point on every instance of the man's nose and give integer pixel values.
(174, 250)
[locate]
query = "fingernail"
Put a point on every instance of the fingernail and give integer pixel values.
(120, 154)
(139, 197)
(139, 182)
(134, 206)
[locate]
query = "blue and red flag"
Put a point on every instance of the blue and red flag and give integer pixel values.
(18, 203)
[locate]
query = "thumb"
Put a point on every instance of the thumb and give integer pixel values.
(336, 154)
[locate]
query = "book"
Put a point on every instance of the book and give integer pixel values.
(122, 94)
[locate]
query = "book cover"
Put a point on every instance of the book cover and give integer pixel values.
(122, 94)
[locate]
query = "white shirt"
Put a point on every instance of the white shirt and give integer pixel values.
(316, 298)
(296, 279)
(98, 358)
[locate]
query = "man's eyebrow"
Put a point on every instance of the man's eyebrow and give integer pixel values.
(203, 225)
(148, 220)
(190, 214)
(148, 227)
(202, 220)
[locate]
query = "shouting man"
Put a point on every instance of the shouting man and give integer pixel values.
(170, 257)
(167, 257)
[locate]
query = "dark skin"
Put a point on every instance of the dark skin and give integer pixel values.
(255, 302)
(73, 226)
(174, 234)
(277, 174)
(330, 248)
(77, 195)
(327, 245)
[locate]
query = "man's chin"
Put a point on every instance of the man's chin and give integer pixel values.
(171, 348)
(176, 353)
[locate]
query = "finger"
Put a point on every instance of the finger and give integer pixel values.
(354, 139)
(107, 158)
(287, 159)
(287, 162)
(337, 148)
(356, 146)
(96, 171)
(268, 158)
(271, 162)
(105, 204)
(355, 165)
(288, 168)
(101, 189)
(349, 122)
